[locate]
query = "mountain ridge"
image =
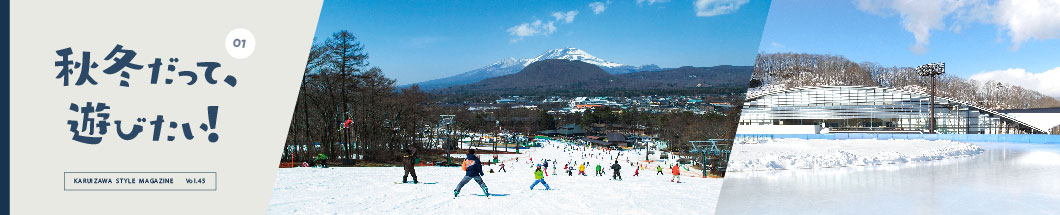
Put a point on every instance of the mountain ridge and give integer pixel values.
(512, 65)
(561, 75)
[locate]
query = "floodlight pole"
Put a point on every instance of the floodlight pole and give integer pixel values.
(932, 70)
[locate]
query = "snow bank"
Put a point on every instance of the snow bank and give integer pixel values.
(780, 154)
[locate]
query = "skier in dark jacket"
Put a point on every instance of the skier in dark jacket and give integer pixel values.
(474, 171)
(546, 167)
(410, 167)
(616, 167)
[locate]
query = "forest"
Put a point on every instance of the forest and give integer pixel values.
(790, 70)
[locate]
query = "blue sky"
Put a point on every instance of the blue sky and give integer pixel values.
(1010, 41)
(424, 40)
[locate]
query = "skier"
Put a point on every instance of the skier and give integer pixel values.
(322, 160)
(502, 168)
(570, 171)
(473, 171)
(636, 172)
(599, 170)
(581, 170)
(546, 167)
(659, 170)
(410, 167)
(538, 174)
(616, 167)
(677, 174)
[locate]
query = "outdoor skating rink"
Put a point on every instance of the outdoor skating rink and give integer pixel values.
(372, 190)
(1006, 178)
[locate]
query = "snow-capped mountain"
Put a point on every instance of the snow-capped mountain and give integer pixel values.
(573, 54)
(512, 66)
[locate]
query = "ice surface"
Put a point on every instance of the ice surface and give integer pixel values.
(1006, 178)
(780, 154)
(372, 190)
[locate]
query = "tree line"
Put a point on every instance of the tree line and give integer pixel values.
(348, 110)
(790, 70)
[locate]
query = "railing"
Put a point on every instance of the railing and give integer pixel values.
(1008, 138)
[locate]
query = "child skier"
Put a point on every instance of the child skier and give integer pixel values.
(616, 167)
(658, 169)
(677, 174)
(539, 175)
(599, 170)
(636, 171)
(473, 171)
(502, 168)
(581, 170)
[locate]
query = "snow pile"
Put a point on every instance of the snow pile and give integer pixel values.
(372, 190)
(780, 154)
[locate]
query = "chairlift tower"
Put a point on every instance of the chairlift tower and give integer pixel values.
(447, 120)
(709, 147)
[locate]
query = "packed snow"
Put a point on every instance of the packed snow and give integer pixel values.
(377, 190)
(780, 154)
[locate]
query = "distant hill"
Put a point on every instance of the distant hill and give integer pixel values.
(790, 70)
(559, 75)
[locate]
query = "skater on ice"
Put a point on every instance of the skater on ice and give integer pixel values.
(473, 170)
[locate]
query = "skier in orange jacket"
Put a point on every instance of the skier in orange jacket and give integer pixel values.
(677, 173)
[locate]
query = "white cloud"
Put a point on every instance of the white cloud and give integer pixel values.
(1022, 19)
(776, 45)
(598, 7)
(717, 7)
(423, 41)
(540, 28)
(919, 17)
(650, 2)
(1045, 82)
(528, 29)
(1029, 19)
(567, 17)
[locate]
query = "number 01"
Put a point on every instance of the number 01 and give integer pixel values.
(239, 43)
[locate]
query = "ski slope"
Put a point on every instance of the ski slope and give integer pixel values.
(780, 154)
(372, 190)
